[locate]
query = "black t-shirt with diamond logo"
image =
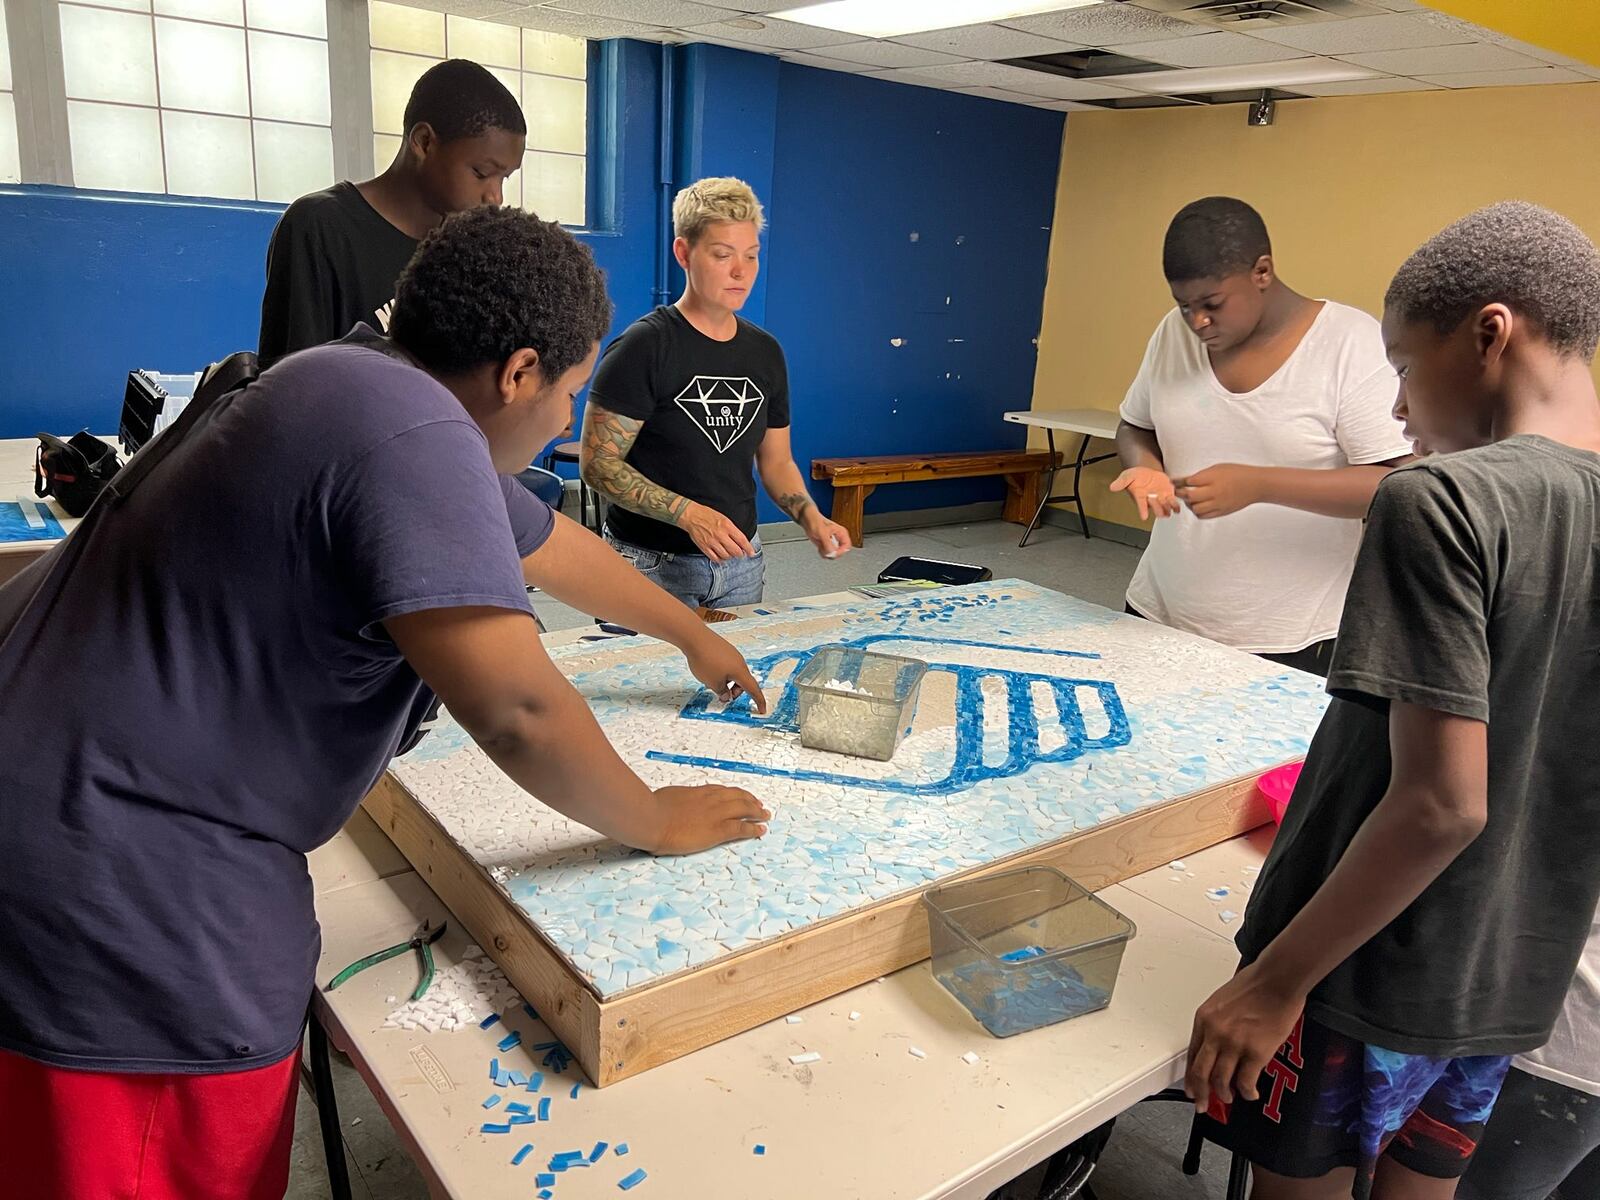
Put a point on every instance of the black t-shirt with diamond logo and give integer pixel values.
(705, 405)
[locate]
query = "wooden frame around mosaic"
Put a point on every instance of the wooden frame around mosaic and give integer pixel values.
(647, 1026)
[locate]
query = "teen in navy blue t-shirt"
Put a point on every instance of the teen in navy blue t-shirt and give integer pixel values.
(236, 653)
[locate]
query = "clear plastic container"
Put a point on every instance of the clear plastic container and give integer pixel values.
(870, 713)
(1025, 948)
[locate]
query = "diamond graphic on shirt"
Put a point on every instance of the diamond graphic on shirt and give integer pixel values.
(723, 407)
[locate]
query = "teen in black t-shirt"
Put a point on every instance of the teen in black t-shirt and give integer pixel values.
(1423, 908)
(336, 254)
(686, 402)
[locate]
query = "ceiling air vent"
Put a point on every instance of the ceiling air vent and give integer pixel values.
(1236, 14)
(1086, 64)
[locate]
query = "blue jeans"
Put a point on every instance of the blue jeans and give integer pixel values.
(695, 579)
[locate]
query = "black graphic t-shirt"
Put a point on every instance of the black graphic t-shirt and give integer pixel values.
(332, 263)
(705, 405)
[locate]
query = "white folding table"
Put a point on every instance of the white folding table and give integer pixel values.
(1090, 423)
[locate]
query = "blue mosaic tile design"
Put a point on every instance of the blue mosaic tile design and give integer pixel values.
(1041, 716)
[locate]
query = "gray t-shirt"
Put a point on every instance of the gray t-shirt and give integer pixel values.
(1475, 593)
(212, 694)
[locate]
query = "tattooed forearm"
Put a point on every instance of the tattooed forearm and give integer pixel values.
(607, 438)
(795, 504)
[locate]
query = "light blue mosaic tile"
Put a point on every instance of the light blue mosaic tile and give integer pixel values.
(1041, 716)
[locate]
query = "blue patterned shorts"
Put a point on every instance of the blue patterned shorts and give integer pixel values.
(1329, 1101)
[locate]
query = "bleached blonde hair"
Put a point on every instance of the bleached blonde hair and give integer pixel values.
(709, 201)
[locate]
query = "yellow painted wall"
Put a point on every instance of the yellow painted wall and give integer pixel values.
(1348, 187)
(1570, 27)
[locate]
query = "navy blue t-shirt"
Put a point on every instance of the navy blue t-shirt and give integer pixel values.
(212, 695)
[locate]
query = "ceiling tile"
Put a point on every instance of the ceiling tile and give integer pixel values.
(1527, 77)
(1209, 50)
(1496, 38)
(802, 59)
(1106, 25)
(1016, 79)
(890, 54)
(677, 14)
(987, 41)
(774, 34)
(1397, 31)
(1550, 56)
(1441, 60)
(999, 94)
(1064, 106)
(555, 20)
(473, 8)
(1059, 87)
(965, 74)
(1364, 87)
(913, 77)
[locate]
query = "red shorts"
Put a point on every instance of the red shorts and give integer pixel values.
(84, 1135)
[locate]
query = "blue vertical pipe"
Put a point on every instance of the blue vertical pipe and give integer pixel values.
(664, 237)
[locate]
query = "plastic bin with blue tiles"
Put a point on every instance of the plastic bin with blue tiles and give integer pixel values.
(1025, 948)
(857, 702)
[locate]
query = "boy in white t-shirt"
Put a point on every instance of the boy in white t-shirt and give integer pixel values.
(1258, 428)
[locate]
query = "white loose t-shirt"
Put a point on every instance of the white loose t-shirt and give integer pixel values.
(1267, 579)
(1572, 1055)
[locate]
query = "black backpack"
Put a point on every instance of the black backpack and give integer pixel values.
(73, 471)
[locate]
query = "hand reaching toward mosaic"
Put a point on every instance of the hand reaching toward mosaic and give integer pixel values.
(580, 570)
(491, 671)
(697, 818)
(723, 669)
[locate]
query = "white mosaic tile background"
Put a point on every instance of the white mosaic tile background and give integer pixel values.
(1197, 715)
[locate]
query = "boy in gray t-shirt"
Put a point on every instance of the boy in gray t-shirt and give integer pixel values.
(1424, 905)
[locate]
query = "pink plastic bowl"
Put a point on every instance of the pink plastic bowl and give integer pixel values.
(1276, 786)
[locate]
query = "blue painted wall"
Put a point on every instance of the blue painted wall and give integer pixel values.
(850, 169)
(92, 286)
(911, 214)
(95, 284)
(725, 123)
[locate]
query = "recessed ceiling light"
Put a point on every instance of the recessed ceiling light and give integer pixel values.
(891, 18)
(1253, 75)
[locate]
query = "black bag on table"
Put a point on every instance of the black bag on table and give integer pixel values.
(933, 570)
(73, 471)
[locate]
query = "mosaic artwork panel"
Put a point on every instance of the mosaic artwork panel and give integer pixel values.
(1041, 716)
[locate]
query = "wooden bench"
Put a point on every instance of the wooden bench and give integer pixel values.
(854, 479)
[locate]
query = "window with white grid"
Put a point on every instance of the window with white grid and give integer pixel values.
(547, 72)
(10, 162)
(225, 98)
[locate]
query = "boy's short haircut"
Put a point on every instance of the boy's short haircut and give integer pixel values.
(460, 99)
(1212, 239)
(1534, 261)
(491, 281)
(710, 201)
